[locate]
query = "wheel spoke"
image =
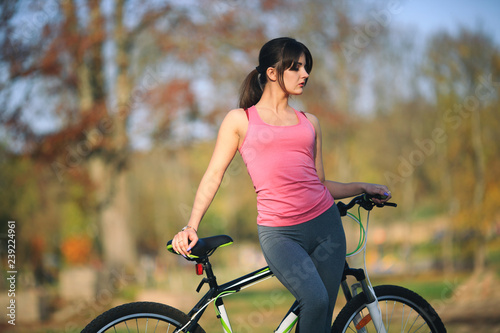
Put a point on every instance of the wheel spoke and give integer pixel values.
(408, 319)
(392, 313)
(401, 311)
(352, 329)
(413, 324)
(423, 325)
(402, 318)
(144, 317)
(386, 317)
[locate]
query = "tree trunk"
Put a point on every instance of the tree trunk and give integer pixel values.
(108, 165)
(479, 190)
(118, 245)
(450, 199)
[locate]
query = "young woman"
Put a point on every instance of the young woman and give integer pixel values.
(299, 226)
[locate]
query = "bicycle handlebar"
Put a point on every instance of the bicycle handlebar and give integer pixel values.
(365, 201)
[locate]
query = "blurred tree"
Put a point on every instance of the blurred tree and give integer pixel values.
(74, 74)
(461, 70)
(83, 80)
(70, 49)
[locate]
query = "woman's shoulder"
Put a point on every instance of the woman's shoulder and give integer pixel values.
(314, 122)
(235, 119)
(236, 115)
(311, 117)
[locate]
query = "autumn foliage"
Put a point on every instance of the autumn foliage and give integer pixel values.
(122, 102)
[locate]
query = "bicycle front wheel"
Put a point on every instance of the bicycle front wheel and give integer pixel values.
(140, 317)
(402, 311)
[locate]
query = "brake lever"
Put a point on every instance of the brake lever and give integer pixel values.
(390, 204)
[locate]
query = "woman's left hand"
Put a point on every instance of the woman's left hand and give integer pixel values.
(382, 190)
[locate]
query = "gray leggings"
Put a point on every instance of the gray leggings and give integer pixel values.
(308, 259)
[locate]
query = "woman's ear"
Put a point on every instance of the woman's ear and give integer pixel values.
(271, 74)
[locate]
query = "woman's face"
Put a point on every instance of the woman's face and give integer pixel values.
(295, 77)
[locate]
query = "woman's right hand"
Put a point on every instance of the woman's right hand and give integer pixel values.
(184, 241)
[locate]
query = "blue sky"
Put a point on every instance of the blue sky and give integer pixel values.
(427, 16)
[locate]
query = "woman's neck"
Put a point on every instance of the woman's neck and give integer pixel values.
(274, 99)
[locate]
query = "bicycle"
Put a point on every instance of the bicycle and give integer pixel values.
(381, 309)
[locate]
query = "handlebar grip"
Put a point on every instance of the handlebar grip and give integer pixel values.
(364, 200)
(342, 207)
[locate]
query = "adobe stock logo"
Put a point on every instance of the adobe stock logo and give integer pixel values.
(363, 36)
(452, 119)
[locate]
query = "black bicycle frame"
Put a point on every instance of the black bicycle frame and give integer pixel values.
(216, 292)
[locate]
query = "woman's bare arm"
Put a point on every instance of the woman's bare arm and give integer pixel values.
(228, 141)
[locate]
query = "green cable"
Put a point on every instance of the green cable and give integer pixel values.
(362, 234)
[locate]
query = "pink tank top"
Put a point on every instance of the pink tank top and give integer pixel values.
(280, 162)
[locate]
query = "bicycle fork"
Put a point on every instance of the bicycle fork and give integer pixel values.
(374, 313)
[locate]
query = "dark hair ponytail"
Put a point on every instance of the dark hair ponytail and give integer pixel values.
(251, 90)
(281, 53)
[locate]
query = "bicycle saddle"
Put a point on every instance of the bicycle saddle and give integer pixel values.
(205, 246)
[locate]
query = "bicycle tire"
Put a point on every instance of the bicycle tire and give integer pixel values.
(413, 312)
(140, 316)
